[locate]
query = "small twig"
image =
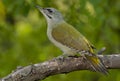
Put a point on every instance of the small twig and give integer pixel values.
(101, 51)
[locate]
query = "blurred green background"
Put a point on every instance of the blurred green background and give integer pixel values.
(23, 39)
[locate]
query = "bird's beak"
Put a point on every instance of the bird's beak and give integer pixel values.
(40, 8)
(43, 11)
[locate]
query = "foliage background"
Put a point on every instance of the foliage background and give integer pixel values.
(23, 37)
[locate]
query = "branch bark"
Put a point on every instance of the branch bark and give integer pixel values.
(58, 65)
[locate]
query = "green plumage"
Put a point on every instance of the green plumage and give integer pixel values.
(70, 37)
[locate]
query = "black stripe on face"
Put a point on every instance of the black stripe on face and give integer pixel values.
(49, 16)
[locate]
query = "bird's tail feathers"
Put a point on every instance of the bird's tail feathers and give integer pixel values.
(96, 64)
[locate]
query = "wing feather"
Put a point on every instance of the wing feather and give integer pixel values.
(70, 37)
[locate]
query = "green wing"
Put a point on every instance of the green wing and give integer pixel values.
(69, 36)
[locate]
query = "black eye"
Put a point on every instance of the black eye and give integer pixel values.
(49, 10)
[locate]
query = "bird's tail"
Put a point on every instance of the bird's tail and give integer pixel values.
(96, 64)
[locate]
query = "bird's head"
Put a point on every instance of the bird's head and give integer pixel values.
(52, 15)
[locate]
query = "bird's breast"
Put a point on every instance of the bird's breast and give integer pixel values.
(64, 48)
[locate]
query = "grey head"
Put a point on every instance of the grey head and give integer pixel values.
(51, 14)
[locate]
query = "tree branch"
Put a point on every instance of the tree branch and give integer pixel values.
(58, 65)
